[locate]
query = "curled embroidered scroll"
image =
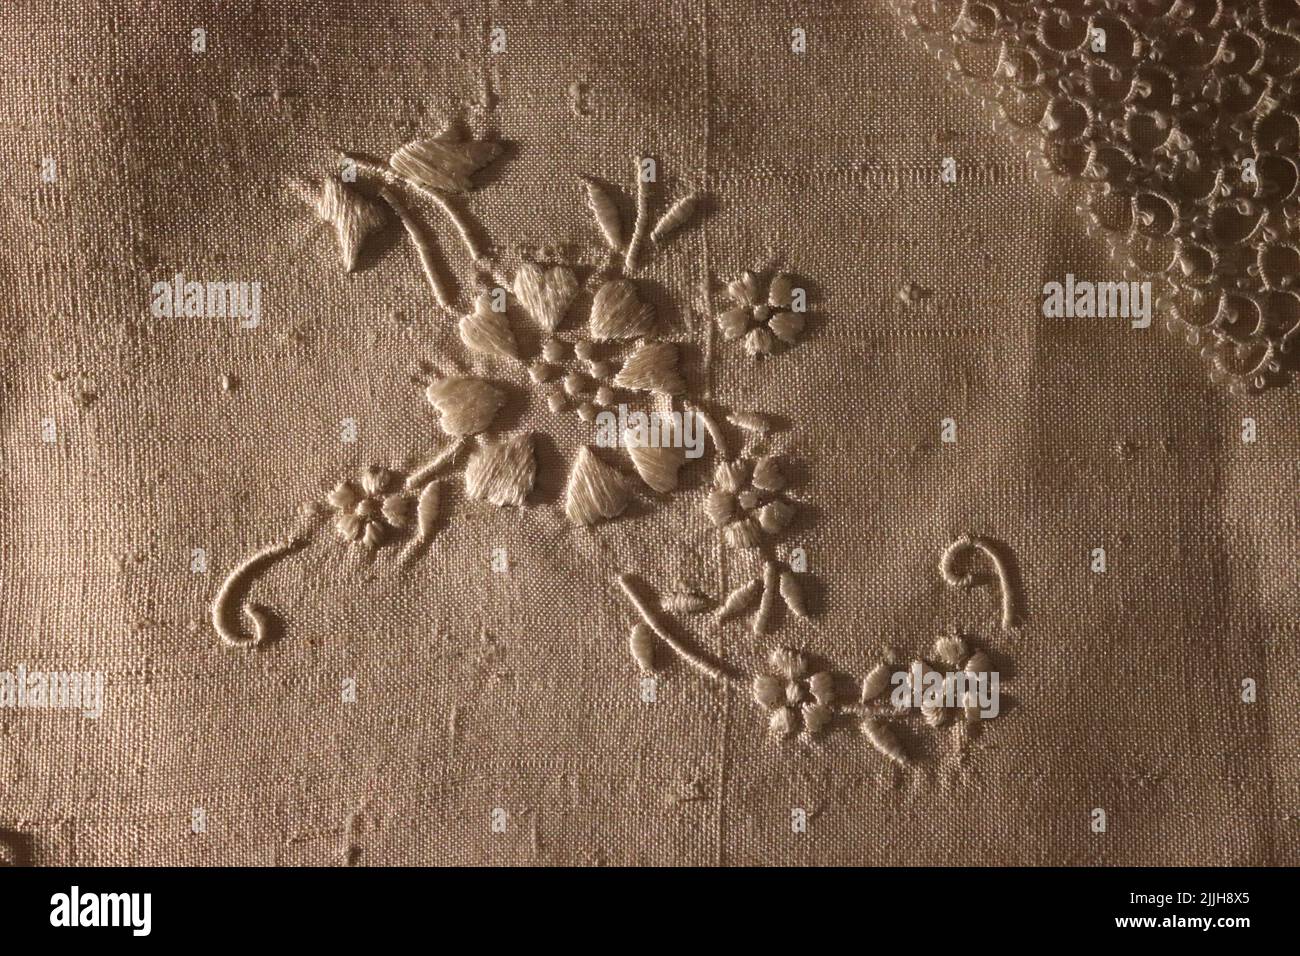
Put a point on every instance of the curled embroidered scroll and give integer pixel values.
(231, 598)
(960, 575)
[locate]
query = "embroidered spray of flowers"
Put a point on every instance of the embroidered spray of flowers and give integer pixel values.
(619, 352)
(800, 702)
(764, 319)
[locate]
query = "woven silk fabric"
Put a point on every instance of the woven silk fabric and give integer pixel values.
(861, 320)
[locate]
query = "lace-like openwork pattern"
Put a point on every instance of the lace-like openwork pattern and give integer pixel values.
(1180, 117)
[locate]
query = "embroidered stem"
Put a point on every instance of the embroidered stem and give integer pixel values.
(966, 579)
(710, 426)
(378, 169)
(639, 226)
(424, 245)
(771, 584)
(226, 606)
(628, 583)
(422, 474)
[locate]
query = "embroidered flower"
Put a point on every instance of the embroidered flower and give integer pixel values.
(366, 515)
(762, 320)
(792, 698)
(744, 503)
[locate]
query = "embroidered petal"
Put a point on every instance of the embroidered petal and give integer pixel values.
(731, 475)
(758, 342)
(618, 312)
(348, 526)
(746, 290)
(376, 480)
(734, 322)
(817, 717)
(744, 533)
(768, 476)
(374, 535)
(720, 506)
(780, 294)
(595, 492)
(397, 510)
(467, 405)
(652, 368)
(443, 162)
(783, 722)
(786, 326)
(822, 686)
(775, 516)
(657, 466)
(546, 294)
(788, 663)
(344, 497)
(768, 690)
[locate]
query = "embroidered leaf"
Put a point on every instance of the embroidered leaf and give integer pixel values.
(443, 162)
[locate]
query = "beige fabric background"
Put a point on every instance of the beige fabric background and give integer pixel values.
(480, 690)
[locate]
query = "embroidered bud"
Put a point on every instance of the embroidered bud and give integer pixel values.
(875, 683)
(792, 594)
(750, 421)
(642, 644)
(426, 511)
(677, 216)
(606, 215)
(685, 602)
(739, 599)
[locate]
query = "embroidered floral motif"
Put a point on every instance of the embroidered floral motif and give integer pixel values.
(762, 320)
(369, 514)
(793, 698)
(744, 502)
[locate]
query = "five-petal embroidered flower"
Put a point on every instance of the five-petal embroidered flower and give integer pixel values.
(786, 691)
(744, 502)
(760, 319)
(365, 515)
